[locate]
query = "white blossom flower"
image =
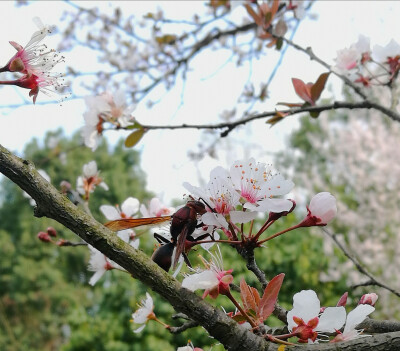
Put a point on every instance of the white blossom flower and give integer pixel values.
(86, 183)
(144, 313)
(99, 264)
(223, 198)
(105, 108)
(353, 319)
(128, 208)
(305, 317)
(214, 280)
(156, 209)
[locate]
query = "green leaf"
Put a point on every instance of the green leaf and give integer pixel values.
(134, 137)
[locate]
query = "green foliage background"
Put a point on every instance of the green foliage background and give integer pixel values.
(46, 302)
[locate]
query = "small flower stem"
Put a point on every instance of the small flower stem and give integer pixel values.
(276, 339)
(280, 233)
(283, 336)
(262, 230)
(244, 314)
(154, 318)
(251, 228)
(216, 241)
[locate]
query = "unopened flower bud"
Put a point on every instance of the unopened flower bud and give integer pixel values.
(343, 300)
(52, 232)
(368, 299)
(322, 209)
(44, 236)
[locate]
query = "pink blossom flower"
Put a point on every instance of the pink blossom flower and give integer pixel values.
(35, 61)
(306, 321)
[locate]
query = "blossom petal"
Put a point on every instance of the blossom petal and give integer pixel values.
(242, 217)
(270, 205)
(130, 206)
(138, 330)
(203, 280)
(215, 219)
(331, 319)
(357, 316)
(110, 212)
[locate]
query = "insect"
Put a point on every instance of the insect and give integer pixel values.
(183, 224)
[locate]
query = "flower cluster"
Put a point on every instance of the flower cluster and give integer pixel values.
(238, 195)
(369, 67)
(35, 61)
(307, 322)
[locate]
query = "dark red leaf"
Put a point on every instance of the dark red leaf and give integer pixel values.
(319, 85)
(302, 90)
(267, 303)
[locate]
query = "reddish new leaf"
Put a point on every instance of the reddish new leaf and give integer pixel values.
(267, 303)
(302, 90)
(319, 85)
(249, 296)
(253, 14)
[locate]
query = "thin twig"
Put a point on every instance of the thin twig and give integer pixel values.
(360, 268)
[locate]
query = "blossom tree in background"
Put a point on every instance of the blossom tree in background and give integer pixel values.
(244, 206)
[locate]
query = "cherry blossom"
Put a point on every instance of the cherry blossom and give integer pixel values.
(105, 108)
(348, 59)
(128, 208)
(214, 280)
(306, 321)
(36, 61)
(382, 53)
(144, 313)
(156, 209)
(353, 319)
(86, 183)
(257, 186)
(99, 264)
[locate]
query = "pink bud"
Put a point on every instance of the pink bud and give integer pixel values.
(52, 232)
(323, 206)
(368, 299)
(343, 300)
(322, 209)
(43, 236)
